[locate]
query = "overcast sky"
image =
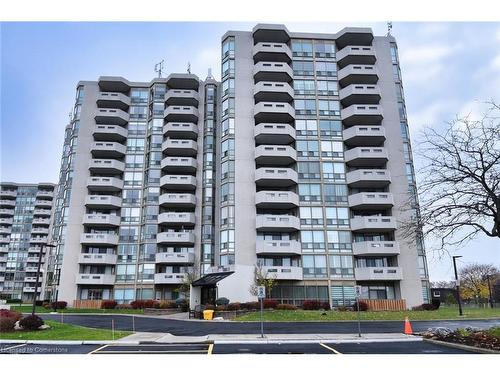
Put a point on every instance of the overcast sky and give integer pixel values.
(448, 69)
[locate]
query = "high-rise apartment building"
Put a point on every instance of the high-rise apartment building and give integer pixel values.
(297, 164)
(25, 219)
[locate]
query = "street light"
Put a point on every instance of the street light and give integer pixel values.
(38, 274)
(457, 284)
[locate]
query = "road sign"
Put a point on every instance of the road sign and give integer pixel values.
(261, 292)
(358, 291)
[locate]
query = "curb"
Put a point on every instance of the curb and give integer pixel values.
(315, 341)
(468, 348)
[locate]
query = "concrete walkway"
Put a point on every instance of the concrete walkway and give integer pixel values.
(167, 338)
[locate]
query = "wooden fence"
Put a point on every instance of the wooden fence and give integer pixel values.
(385, 304)
(87, 303)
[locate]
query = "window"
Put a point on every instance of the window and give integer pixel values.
(409, 173)
(307, 148)
(337, 216)
(227, 126)
(304, 87)
(394, 53)
(311, 215)
(335, 193)
(339, 241)
(125, 272)
(399, 92)
(226, 241)
(330, 127)
(302, 48)
(227, 192)
(131, 196)
(227, 107)
(312, 240)
(324, 49)
(138, 112)
(396, 72)
(227, 67)
(407, 151)
(325, 69)
(306, 127)
(132, 179)
(333, 171)
(405, 134)
(343, 295)
(329, 108)
(314, 266)
(228, 87)
(139, 95)
(308, 170)
(328, 88)
(303, 68)
(341, 266)
(310, 192)
(130, 215)
(402, 110)
(332, 149)
(227, 47)
(305, 106)
(227, 148)
(374, 262)
(135, 144)
(227, 215)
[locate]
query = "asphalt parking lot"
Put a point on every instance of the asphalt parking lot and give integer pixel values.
(414, 347)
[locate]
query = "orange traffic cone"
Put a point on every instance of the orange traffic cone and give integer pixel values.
(408, 330)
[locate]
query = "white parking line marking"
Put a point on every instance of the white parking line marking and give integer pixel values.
(330, 348)
(96, 350)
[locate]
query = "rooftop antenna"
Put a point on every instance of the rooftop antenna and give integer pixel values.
(389, 28)
(209, 76)
(189, 68)
(159, 68)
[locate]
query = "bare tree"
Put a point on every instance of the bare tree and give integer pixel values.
(473, 280)
(262, 278)
(460, 181)
(443, 284)
(192, 274)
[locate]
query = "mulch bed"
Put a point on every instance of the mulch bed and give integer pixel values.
(479, 339)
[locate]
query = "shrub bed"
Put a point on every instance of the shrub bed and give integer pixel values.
(109, 304)
(59, 305)
(4, 313)
(31, 322)
(7, 324)
(363, 306)
(145, 304)
(310, 304)
(286, 306)
(270, 303)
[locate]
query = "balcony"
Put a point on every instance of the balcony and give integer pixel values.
(273, 92)
(108, 150)
(274, 134)
(33, 260)
(6, 220)
(33, 269)
(99, 239)
(5, 230)
(371, 201)
(95, 279)
(8, 193)
(273, 112)
(363, 178)
(40, 221)
(358, 36)
(178, 200)
(375, 248)
(373, 224)
(181, 130)
(6, 212)
(6, 203)
(275, 177)
(174, 258)
(278, 247)
(361, 55)
(182, 97)
(283, 273)
(270, 33)
(181, 114)
(364, 136)
(362, 114)
(97, 258)
(177, 218)
(264, 51)
(359, 94)
(366, 157)
(111, 116)
(103, 202)
(178, 182)
(38, 239)
(106, 166)
(180, 147)
(179, 165)
(104, 184)
(277, 223)
(272, 71)
(378, 273)
(38, 230)
(276, 199)
(31, 289)
(114, 133)
(101, 220)
(41, 212)
(169, 278)
(43, 203)
(30, 279)
(358, 74)
(275, 155)
(113, 100)
(176, 238)
(112, 84)
(4, 240)
(34, 250)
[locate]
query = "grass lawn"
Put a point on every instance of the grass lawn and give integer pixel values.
(63, 331)
(302, 315)
(43, 310)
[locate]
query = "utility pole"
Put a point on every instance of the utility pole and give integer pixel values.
(38, 275)
(489, 290)
(457, 284)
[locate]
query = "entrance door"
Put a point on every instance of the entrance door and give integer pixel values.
(208, 295)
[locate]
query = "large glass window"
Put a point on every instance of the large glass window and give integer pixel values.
(307, 148)
(341, 266)
(310, 192)
(333, 171)
(339, 241)
(327, 88)
(312, 240)
(302, 48)
(332, 149)
(329, 108)
(303, 68)
(306, 127)
(314, 266)
(325, 69)
(304, 86)
(324, 49)
(308, 170)
(311, 215)
(305, 106)
(337, 216)
(331, 128)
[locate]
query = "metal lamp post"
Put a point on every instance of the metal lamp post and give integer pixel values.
(38, 275)
(457, 284)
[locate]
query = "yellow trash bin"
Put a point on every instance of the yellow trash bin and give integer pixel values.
(208, 314)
